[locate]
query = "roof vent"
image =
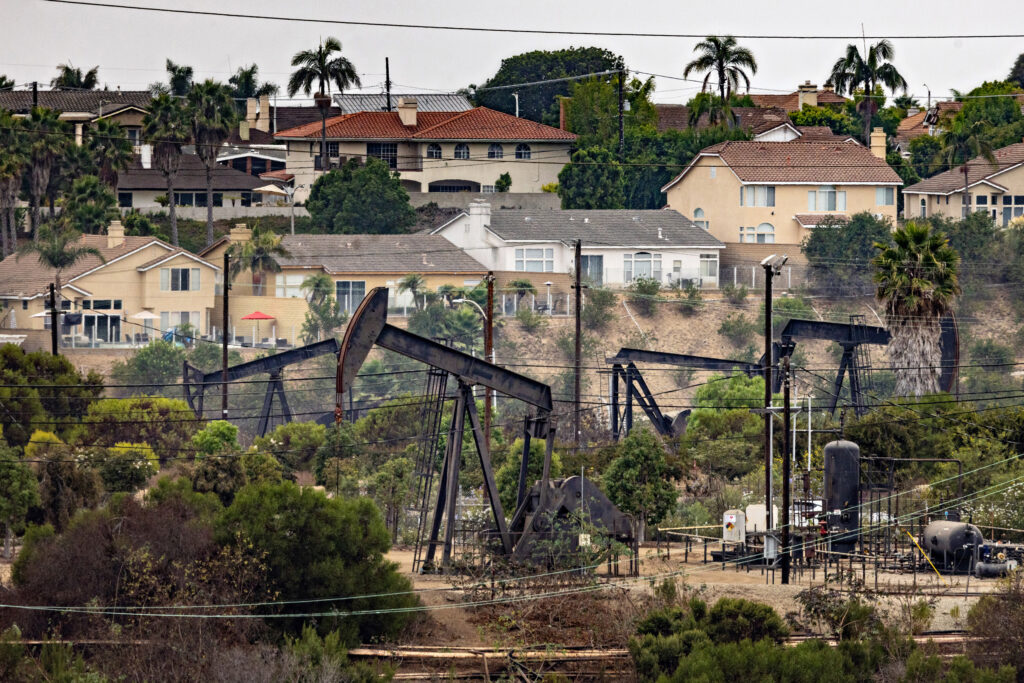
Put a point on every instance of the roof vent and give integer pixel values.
(526, 218)
(636, 218)
(660, 236)
(586, 220)
(425, 259)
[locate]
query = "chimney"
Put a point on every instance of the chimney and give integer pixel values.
(264, 122)
(479, 216)
(561, 112)
(806, 94)
(146, 156)
(913, 111)
(115, 234)
(239, 233)
(407, 111)
(878, 143)
(243, 131)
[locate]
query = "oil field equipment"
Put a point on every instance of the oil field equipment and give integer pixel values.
(953, 546)
(369, 327)
(842, 494)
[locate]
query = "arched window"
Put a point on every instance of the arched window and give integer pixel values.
(522, 151)
(924, 207)
(462, 151)
(698, 218)
(495, 151)
(642, 264)
(433, 151)
(766, 233)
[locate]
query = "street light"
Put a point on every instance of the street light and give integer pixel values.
(548, 285)
(470, 301)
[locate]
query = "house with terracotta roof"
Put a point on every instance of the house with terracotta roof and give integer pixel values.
(140, 288)
(433, 151)
(770, 124)
(755, 196)
(922, 122)
(997, 189)
(806, 95)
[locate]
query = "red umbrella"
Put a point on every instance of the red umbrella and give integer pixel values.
(257, 316)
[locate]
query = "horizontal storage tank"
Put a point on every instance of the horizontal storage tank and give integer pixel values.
(951, 545)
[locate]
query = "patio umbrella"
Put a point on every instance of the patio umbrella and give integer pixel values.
(271, 189)
(145, 315)
(257, 316)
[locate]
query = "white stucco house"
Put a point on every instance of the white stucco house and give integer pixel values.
(617, 246)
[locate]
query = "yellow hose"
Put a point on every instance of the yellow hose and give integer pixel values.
(925, 556)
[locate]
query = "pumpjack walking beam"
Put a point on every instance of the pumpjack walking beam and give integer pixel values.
(368, 327)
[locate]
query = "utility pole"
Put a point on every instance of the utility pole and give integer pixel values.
(387, 81)
(53, 320)
(622, 136)
(578, 350)
(786, 468)
(489, 355)
(772, 266)
(224, 344)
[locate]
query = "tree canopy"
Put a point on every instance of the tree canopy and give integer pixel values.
(360, 199)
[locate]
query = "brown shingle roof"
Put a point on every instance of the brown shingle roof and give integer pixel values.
(755, 119)
(978, 169)
(417, 253)
(790, 100)
(94, 101)
(813, 220)
(799, 162)
(290, 117)
(476, 124)
(191, 177)
(819, 134)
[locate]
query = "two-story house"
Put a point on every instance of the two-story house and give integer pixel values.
(994, 188)
(141, 287)
(433, 151)
(755, 196)
(81, 108)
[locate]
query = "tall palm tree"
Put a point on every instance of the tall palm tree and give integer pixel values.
(179, 81)
(72, 78)
(258, 256)
(916, 280)
(13, 162)
(321, 67)
(961, 142)
(853, 71)
(717, 109)
(212, 114)
(319, 287)
(75, 162)
(414, 284)
(246, 83)
(58, 250)
(47, 141)
(166, 127)
(89, 205)
(110, 148)
(722, 57)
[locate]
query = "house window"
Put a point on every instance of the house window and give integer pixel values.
(385, 151)
(592, 269)
(885, 196)
(709, 266)
(766, 233)
(748, 235)
(698, 218)
(462, 151)
(433, 151)
(522, 151)
(124, 200)
(289, 286)
(179, 279)
(487, 189)
(641, 264)
(826, 198)
(133, 136)
(184, 199)
(495, 151)
(757, 195)
(924, 207)
(246, 199)
(170, 320)
(981, 200)
(713, 169)
(349, 293)
(535, 260)
(332, 149)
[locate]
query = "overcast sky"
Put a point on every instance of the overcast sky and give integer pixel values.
(130, 46)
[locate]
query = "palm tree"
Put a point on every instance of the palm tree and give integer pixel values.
(521, 288)
(73, 163)
(72, 78)
(246, 83)
(213, 114)
(853, 71)
(89, 205)
(717, 109)
(110, 148)
(319, 287)
(320, 67)
(722, 57)
(917, 279)
(13, 161)
(179, 81)
(414, 284)
(258, 256)
(166, 127)
(961, 142)
(47, 141)
(6, 83)
(58, 250)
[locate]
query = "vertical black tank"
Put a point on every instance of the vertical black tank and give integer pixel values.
(842, 486)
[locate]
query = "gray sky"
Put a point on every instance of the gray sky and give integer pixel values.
(130, 46)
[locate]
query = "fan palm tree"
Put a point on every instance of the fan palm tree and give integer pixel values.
(916, 280)
(319, 288)
(722, 57)
(47, 141)
(414, 284)
(72, 78)
(89, 205)
(212, 114)
(258, 256)
(179, 81)
(960, 142)
(853, 71)
(246, 83)
(58, 250)
(13, 162)
(166, 127)
(321, 67)
(110, 148)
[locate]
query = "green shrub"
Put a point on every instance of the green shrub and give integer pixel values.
(598, 305)
(692, 303)
(643, 294)
(126, 467)
(530, 320)
(734, 294)
(991, 354)
(294, 444)
(737, 328)
(784, 308)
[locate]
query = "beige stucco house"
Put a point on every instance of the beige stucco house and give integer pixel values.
(81, 108)
(997, 189)
(433, 151)
(755, 195)
(142, 286)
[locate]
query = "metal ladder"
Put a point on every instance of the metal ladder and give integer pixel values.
(430, 418)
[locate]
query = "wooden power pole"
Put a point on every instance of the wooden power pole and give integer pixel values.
(787, 459)
(224, 343)
(54, 315)
(578, 350)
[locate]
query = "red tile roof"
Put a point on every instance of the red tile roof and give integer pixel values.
(278, 175)
(476, 124)
(799, 162)
(789, 101)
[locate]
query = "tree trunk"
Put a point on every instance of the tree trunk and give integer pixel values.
(3, 232)
(33, 216)
(966, 199)
(12, 224)
(209, 205)
(721, 83)
(8, 540)
(171, 209)
(915, 355)
(323, 141)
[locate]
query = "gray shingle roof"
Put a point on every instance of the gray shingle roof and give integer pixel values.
(602, 228)
(978, 169)
(350, 103)
(191, 177)
(378, 254)
(95, 101)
